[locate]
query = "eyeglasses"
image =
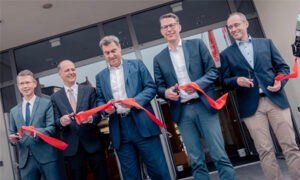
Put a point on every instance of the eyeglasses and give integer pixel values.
(25, 83)
(236, 25)
(171, 26)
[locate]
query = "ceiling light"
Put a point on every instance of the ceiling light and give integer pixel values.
(176, 7)
(47, 5)
(55, 42)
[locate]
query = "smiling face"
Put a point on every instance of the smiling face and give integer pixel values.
(112, 54)
(238, 27)
(67, 73)
(26, 85)
(170, 29)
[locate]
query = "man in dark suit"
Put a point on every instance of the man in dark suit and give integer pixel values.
(132, 132)
(250, 66)
(180, 63)
(84, 140)
(36, 157)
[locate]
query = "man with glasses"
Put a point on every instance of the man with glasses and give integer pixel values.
(36, 157)
(249, 66)
(182, 62)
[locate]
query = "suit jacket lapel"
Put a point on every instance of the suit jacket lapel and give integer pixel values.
(107, 84)
(126, 69)
(20, 114)
(79, 97)
(34, 109)
(254, 50)
(168, 63)
(64, 98)
(241, 56)
(186, 55)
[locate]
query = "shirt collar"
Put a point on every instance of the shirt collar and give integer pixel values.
(74, 87)
(111, 68)
(31, 101)
(239, 42)
(179, 45)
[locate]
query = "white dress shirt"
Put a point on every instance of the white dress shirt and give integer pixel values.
(31, 102)
(246, 48)
(178, 61)
(117, 84)
(75, 91)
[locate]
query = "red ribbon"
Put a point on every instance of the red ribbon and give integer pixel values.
(83, 115)
(293, 75)
(218, 104)
(50, 140)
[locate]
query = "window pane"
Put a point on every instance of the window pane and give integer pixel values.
(5, 68)
(9, 99)
(76, 46)
(244, 6)
(194, 14)
(254, 28)
(120, 29)
(146, 24)
(197, 14)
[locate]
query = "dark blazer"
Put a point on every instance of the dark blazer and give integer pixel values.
(200, 67)
(87, 134)
(267, 65)
(42, 119)
(140, 86)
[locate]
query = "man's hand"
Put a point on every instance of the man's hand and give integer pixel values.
(170, 94)
(245, 82)
(88, 120)
(66, 119)
(14, 138)
(276, 86)
(189, 90)
(125, 105)
(111, 111)
(28, 133)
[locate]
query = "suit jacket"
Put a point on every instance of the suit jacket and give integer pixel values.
(200, 67)
(43, 121)
(87, 134)
(140, 86)
(267, 65)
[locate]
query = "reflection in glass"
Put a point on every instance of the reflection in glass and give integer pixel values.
(5, 68)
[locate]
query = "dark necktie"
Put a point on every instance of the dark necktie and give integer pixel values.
(27, 115)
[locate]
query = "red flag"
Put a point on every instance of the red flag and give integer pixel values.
(213, 46)
(218, 104)
(50, 140)
(285, 76)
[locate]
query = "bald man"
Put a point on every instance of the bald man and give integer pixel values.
(84, 140)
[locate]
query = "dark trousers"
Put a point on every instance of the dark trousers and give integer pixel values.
(149, 148)
(77, 165)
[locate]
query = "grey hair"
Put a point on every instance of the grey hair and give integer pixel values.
(26, 72)
(241, 15)
(109, 39)
(169, 15)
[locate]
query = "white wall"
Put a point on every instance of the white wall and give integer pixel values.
(5, 170)
(278, 18)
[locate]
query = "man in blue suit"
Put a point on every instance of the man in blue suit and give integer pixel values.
(132, 132)
(84, 140)
(249, 66)
(36, 157)
(180, 63)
